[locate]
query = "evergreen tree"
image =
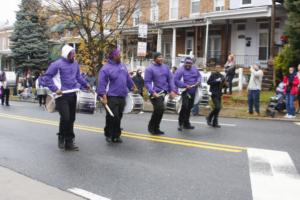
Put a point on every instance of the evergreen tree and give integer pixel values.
(289, 56)
(30, 40)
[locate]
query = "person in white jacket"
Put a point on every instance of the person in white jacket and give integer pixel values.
(254, 88)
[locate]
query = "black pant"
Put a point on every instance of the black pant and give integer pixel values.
(113, 124)
(66, 106)
(214, 114)
(229, 79)
(5, 96)
(185, 112)
(42, 99)
(158, 111)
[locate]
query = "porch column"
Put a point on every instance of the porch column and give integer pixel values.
(196, 43)
(158, 46)
(206, 42)
(174, 48)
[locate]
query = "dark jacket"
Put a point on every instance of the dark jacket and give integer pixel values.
(229, 69)
(139, 82)
(216, 85)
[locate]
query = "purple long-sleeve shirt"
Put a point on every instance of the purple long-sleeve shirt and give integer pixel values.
(159, 78)
(184, 77)
(64, 75)
(114, 80)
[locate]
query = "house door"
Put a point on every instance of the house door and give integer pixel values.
(214, 48)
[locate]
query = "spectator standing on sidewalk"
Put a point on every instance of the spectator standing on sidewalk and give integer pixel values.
(5, 92)
(291, 83)
(139, 81)
(298, 96)
(230, 72)
(254, 88)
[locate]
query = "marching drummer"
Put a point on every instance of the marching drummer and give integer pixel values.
(62, 78)
(114, 82)
(189, 78)
(159, 81)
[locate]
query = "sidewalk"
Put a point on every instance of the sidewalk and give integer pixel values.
(15, 186)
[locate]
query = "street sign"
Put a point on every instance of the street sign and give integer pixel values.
(143, 30)
(142, 49)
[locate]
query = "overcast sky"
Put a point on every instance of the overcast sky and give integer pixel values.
(8, 10)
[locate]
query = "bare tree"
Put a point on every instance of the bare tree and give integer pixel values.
(99, 22)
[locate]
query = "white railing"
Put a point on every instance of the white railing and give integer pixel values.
(237, 82)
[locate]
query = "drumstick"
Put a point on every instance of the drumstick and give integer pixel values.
(161, 93)
(109, 110)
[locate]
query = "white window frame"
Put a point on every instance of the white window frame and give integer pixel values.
(191, 7)
(154, 11)
(187, 38)
(136, 17)
(222, 7)
(171, 8)
(119, 13)
(246, 4)
(263, 31)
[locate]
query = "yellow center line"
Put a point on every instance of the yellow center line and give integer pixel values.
(162, 139)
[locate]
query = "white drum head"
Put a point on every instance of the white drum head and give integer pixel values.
(128, 104)
(198, 95)
(50, 103)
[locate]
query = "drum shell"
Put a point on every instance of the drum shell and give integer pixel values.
(50, 103)
(173, 104)
(11, 79)
(134, 103)
(86, 101)
(41, 91)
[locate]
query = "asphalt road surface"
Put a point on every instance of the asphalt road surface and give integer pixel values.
(243, 160)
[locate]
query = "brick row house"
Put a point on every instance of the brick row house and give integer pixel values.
(208, 29)
(6, 62)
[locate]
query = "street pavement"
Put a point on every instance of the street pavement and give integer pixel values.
(231, 163)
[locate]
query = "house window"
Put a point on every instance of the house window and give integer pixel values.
(106, 18)
(136, 17)
(189, 43)
(263, 26)
(167, 50)
(263, 46)
(245, 2)
(241, 27)
(121, 14)
(195, 6)
(154, 11)
(174, 9)
(219, 5)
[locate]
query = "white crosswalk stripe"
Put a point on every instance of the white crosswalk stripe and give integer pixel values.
(273, 175)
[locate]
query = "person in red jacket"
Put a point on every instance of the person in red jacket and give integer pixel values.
(291, 82)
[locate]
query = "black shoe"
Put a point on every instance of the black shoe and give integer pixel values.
(108, 140)
(208, 122)
(117, 140)
(159, 132)
(189, 127)
(216, 126)
(151, 130)
(61, 142)
(7, 105)
(70, 146)
(180, 128)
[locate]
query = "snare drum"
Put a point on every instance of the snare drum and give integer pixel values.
(86, 101)
(173, 104)
(198, 95)
(41, 91)
(50, 103)
(134, 103)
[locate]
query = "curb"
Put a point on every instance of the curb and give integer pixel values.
(148, 108)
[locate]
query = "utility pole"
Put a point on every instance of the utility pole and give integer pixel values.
(272, 46)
